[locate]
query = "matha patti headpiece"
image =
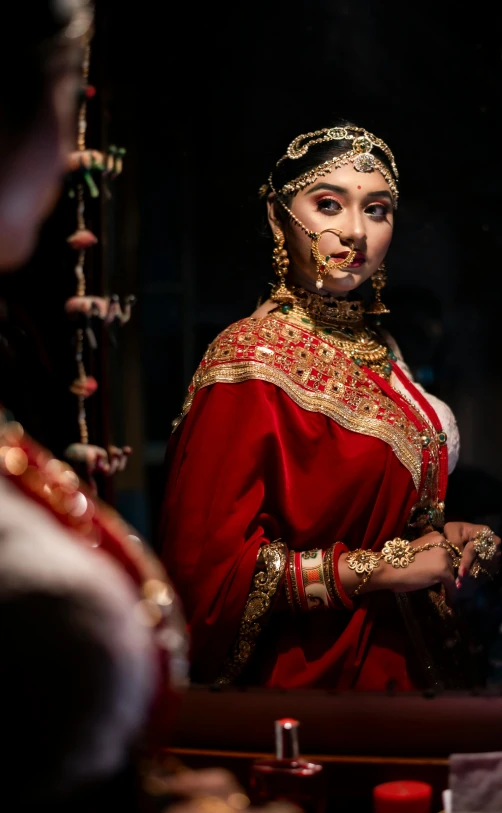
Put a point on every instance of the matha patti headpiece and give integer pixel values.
(360, 156)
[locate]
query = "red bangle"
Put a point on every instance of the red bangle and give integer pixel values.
(338, 549)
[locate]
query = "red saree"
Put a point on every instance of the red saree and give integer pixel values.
(282, 436)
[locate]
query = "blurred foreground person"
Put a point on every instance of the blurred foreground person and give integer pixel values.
(92, 645)
(92, 641)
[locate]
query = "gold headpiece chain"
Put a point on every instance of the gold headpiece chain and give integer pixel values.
(360, 156)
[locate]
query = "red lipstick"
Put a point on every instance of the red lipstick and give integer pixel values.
(358, 260)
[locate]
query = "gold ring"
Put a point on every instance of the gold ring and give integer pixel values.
(484, 545)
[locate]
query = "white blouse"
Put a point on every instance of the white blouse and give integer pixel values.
(441, 409)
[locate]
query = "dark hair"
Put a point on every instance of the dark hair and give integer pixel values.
(292, 168)
(34, 31)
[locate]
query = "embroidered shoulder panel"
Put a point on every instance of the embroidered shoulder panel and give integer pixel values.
(316, 376)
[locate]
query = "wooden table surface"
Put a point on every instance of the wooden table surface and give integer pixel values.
(361, 739)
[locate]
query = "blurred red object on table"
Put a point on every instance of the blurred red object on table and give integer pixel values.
(404, 796)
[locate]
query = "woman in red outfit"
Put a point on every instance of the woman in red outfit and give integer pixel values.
(303, 521)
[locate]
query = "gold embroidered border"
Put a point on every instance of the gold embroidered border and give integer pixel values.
(237, 372)
(316, 375)
(265, 586)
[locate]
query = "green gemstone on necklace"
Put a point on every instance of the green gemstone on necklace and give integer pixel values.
(286, 309)
(387, 367)
(307, 321)
(328, 257)
(392, 355)
(358, 362)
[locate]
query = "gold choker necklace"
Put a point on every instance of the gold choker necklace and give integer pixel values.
(339, 322)
(325, 310)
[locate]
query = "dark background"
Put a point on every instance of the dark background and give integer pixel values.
(206, 98)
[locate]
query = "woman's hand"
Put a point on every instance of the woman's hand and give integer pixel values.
(433, 566)
(463, 534)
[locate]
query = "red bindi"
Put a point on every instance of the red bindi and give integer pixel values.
(358, 187)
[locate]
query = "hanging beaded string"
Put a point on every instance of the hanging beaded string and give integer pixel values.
(79, 267)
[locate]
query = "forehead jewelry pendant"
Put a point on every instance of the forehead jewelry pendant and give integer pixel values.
(364, 160)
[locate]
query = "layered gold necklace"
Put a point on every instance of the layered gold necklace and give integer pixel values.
(340, 323)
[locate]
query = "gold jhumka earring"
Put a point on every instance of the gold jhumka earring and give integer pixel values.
(280, 262)
(378, 281)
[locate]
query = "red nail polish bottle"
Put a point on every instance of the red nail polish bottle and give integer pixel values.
(288, 777)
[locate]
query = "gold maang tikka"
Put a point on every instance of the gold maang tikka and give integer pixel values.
(360, 155)
(378, 281)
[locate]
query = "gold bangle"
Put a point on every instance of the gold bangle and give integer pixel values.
(327, 564)
(289, 597)
(363, 562)
(292, 573)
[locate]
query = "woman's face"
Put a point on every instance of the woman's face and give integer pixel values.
(359, 204)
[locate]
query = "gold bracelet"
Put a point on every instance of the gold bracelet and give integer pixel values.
(364, 580)
(363, 562)
(455, 548)
(398, 553)
(430, 545)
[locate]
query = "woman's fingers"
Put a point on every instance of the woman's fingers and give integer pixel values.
(456, 533)
(467, 560)
(450, 586)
